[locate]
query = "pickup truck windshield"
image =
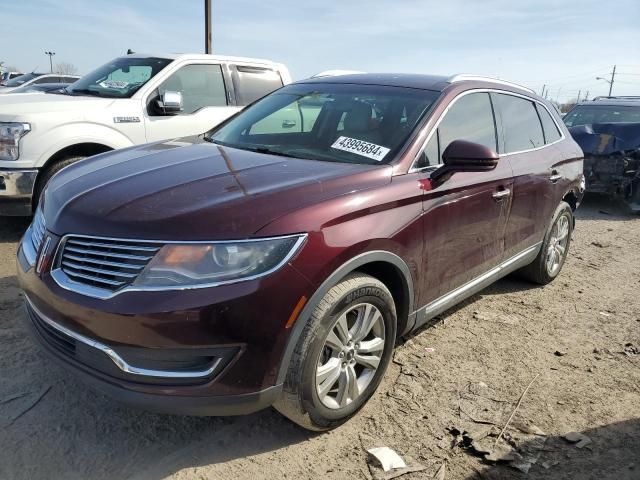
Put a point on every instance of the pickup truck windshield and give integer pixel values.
(588, 114)
(120, 78)
(333, 122)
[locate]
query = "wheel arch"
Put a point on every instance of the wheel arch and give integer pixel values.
(84, 149)
(385, 266)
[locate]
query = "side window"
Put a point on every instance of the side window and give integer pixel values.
(520, 123)
(252, 83)
(551, 133)
(46, 80)
(431, 154)
(469, 118)
(201, 86)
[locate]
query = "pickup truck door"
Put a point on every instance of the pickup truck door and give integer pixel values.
(205, 103)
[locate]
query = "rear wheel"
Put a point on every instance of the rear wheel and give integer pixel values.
(555, 248)
(342, 354)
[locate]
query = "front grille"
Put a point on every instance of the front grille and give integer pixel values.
(38, 228)
(104, 263)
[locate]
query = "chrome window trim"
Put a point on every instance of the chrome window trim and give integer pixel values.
(120, 362)
(63, 280)
(412, 169)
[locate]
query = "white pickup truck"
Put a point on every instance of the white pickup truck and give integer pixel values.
(131, 100)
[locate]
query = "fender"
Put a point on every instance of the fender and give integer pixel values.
(346, 268)
(68, 135)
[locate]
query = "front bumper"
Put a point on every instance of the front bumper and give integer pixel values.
(239, 404)
(228, 341)
(16, 191)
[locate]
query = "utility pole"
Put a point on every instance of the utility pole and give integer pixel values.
(51, 54)
(586, 96)
(579, 92)
(542, 93)
(610, 82)
(613, 76)
(207, 27)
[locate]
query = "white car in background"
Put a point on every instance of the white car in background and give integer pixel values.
(36, 79)
(131, 100)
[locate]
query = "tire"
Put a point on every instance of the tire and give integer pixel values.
(316, 352)
(49, 172)
(540, 271)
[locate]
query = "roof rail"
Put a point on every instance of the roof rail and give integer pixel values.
(464, 76)
(335, 73)
(617, 97)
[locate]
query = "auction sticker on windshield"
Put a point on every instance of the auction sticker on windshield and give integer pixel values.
(360, 147)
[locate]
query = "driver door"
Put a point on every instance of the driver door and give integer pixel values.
(465, 215)
(204, 98)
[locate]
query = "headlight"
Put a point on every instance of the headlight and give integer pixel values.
(10, 135)
(198, 264)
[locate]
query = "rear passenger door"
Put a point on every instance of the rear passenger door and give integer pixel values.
(205, 102)
(251, 83)
(529, 149)
(464, 216)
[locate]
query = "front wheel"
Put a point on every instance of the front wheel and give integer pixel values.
(45, 176)
(342, 354)
(555, 248)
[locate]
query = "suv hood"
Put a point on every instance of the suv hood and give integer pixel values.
(16, 106)
(189, 189)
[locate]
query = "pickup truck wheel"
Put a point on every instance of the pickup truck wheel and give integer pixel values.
(341, 355)
(555, 248)
(49, 172)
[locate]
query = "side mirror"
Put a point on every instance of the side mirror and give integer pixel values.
(463, 156)
(170, 103)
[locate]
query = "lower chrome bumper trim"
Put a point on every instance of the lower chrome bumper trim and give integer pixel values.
(117, 359)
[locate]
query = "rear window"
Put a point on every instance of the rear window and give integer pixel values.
(520, 123)
(252, 83)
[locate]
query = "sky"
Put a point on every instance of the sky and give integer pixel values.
(564, 44)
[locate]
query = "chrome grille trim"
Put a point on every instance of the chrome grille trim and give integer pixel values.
(104, 263)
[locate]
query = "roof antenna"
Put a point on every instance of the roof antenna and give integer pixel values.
(130, 52)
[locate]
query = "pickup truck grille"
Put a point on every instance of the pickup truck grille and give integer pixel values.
(38, 228)
(104, 263)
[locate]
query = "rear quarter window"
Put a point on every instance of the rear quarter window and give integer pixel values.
(520, 123)
(252, 83)
(551, 132)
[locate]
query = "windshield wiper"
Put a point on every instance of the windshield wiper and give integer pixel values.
(85, 91)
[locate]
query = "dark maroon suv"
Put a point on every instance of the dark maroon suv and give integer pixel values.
(277, 259)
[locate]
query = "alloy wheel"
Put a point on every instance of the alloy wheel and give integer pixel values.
(350, 356)
(558, 242)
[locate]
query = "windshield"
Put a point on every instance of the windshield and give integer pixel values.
(17, 81)
(120, 78)
(588, 114)
(334, 122)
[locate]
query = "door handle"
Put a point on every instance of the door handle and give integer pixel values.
(555, 176)
(288, 123)
(501, 194)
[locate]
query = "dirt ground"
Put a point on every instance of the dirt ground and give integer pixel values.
(463, 374)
